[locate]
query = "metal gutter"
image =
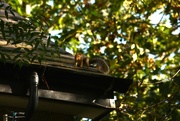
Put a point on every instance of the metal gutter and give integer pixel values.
(33, 96)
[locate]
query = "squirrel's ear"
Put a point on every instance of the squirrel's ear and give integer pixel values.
(75, 54)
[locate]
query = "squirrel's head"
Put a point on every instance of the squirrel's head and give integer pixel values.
(78, 56)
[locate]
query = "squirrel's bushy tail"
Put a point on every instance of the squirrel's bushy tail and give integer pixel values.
(100, 64)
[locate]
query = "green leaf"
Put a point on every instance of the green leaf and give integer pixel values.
(16, 50)
(1, 5)
(49, 40)
(15, 58)
(8, 57)
(19, 63)
(39, 60)
(26, 58)
(52, 54)
(12, 12)
(22, 33)
(36, 45)
(2, 29)
(8, 7)
(9, 28)
(3, 58)
(6, 14)
(33, 58)
(27, 50)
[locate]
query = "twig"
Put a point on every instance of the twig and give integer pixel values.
(46, 83)
(43, 78)
(175, 74)
(163, 119)
(151, 106)
(160, 20)
(154, 105)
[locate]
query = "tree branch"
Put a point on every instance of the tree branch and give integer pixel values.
(163, 119)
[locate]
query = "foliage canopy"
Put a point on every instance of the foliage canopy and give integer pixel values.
(122, 32)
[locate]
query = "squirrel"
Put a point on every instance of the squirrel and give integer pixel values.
(82, 60)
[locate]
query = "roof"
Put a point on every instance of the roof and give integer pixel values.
(62, 85)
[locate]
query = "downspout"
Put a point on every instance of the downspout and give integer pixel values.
(33, 96)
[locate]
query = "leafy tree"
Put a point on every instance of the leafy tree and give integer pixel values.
(122, 32)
